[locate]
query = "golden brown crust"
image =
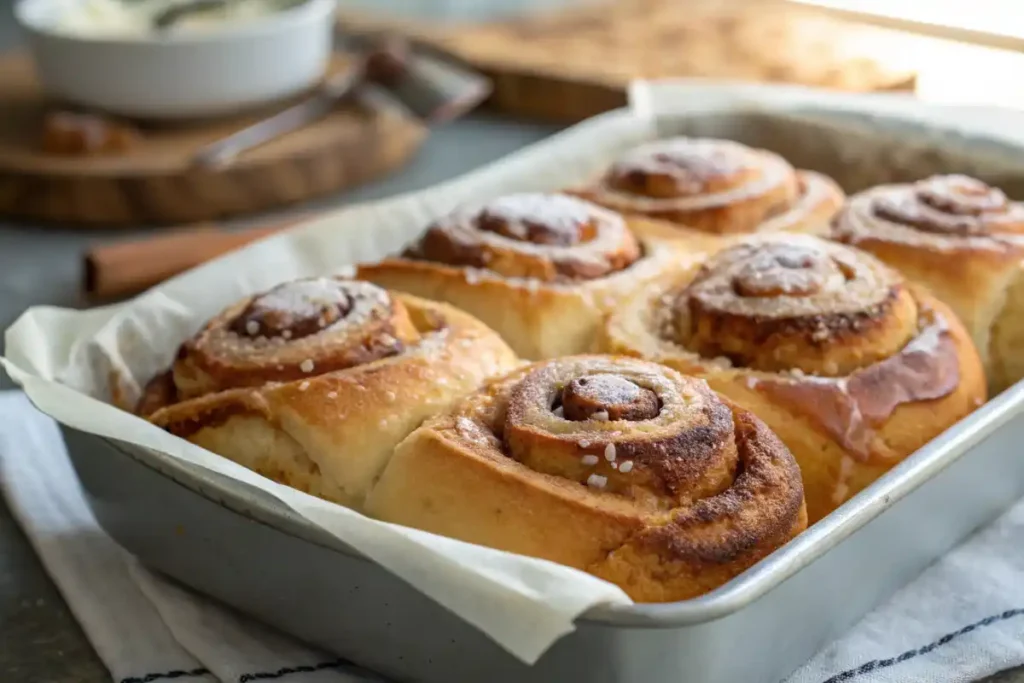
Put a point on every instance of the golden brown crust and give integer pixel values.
(795, 303)
(717, 188)
(546, 237)
(330, 430)
(962, 239)
(853, 368)
(667, 505)
(158, 393)
(541, 270)
(290, 331)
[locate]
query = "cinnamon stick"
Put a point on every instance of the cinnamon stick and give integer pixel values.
(113, 271)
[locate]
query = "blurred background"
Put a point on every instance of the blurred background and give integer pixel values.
(962, 52)
(126, 125)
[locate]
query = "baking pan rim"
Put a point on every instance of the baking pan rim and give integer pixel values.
(741, 591)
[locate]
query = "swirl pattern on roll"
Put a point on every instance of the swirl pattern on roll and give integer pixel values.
(655, 482)
(795, 304)
(314, 382)
(942, 211)
(542, 270)
(716, 186)
(853, 366)
(292, 331)
(963, 240)
(545, 237)
(675, 438)
(821, 317)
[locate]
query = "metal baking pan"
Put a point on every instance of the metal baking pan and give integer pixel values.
(242, 546)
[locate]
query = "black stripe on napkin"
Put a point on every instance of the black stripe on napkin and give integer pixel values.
(166, 675)
(287, 671)
(244, 678)
(876, 664)
(849, 674)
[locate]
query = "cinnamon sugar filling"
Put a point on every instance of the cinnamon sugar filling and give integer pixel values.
(548, 237)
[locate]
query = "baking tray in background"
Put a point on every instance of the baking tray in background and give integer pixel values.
(239, 545)
(575, 60)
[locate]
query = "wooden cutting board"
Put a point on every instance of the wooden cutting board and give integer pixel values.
(569, 65)
(156, 181)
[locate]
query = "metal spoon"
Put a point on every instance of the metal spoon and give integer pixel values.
(388, 73)
(172, 15)
(318, 105)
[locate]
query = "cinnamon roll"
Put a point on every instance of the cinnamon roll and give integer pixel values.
(698, 188)
(314, 382)
(541, 269)
(962, 239)
(853, 367)
(622, 468)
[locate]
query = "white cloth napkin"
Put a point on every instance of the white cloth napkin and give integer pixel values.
(145, 628)
(961, 620)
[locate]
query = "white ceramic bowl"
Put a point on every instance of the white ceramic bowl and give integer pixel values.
(185, 74)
